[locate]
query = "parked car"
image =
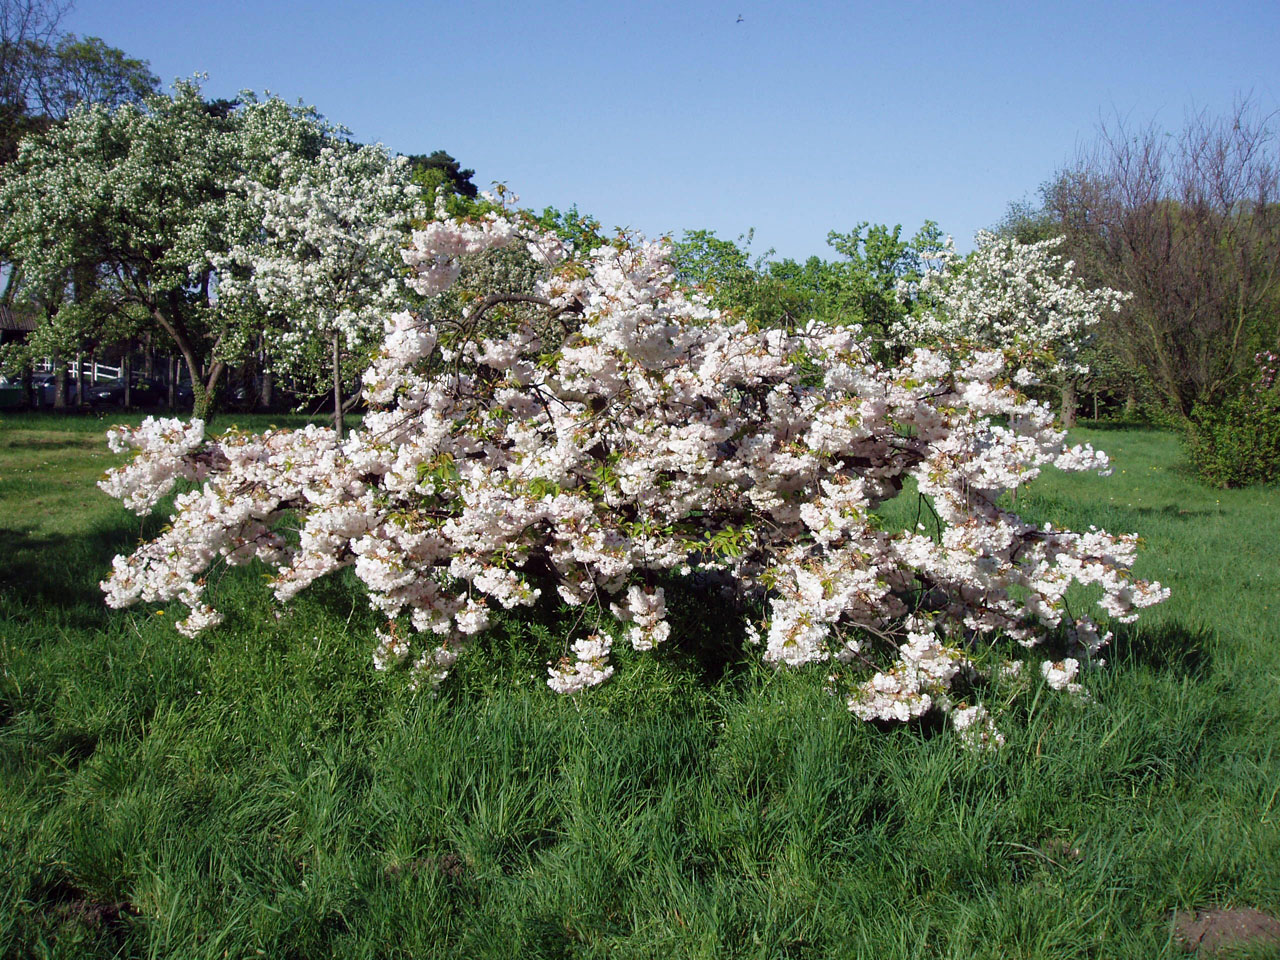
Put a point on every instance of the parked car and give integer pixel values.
(45, 386)
(144, 392)
(13, 393)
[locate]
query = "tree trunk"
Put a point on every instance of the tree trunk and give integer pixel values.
(265, 390)
(337, 385)
(59, 381)
(173, 381)
(79, 380)
(126, 371)
(1069, 403)
(206, 394)
(28, 379)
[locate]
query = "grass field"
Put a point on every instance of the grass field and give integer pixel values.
(261, 791)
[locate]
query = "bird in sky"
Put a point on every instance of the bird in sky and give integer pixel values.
(739, 20)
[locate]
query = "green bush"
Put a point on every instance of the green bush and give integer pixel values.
(1237, 443)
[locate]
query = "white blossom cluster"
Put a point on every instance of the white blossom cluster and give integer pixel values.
(656, 440)
(588, 667)
(437, 251)
(976, 728)
(166, 450)
(325, 251)
(1014, 296)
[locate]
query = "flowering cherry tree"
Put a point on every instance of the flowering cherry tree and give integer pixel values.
(651, 439)
(325, 256)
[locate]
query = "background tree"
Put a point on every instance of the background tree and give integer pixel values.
(1027, 222)
(721, 268)
(1190, 224)
(326, 258)
(582, 231)
(44, 74)
(439, 171)
(89, 71)
(1102, 371)
(879, 266)
(866, 286)
(27, 28)
(144, 194)
(1025, 298)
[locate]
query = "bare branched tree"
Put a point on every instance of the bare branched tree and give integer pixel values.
(1190, 224)
(28, 29)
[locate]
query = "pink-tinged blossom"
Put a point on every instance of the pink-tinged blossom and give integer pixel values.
(976, 728)
(165, 455)
(1061, 674)
(588, 667)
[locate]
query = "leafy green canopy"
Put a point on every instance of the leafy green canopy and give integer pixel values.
(867, 286)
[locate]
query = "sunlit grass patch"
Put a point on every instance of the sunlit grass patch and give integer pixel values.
(262, 788)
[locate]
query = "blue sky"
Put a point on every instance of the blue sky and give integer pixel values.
(802, 118)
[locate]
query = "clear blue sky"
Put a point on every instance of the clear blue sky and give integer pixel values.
(662, 116)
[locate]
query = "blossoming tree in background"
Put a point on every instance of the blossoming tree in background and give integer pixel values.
(325, 257)
(1019, 297)
(632, 437)
(137, 200)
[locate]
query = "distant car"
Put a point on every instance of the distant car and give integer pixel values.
(13, 392)
(144, 392)
(45, 386)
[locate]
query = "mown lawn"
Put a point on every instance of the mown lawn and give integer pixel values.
(261, 791)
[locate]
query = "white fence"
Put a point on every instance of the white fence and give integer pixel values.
(91, 371)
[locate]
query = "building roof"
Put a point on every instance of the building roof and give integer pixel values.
(16, 321)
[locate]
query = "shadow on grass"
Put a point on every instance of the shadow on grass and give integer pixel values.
(1173, 510)
(1166, 648)
(1127, 426)
(65, 911)
(40, 573)
(707, 622)
(90, 421)
(66, 421)
(41, 444)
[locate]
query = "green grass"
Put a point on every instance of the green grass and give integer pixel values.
(261, 791)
